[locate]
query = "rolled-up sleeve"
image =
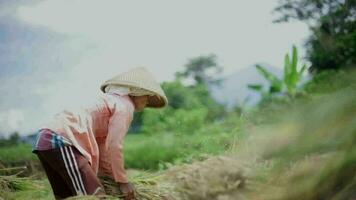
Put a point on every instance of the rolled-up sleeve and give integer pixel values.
(117, 128)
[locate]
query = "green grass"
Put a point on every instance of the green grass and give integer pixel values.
(158, 151)
(153, 152)
(18, 153)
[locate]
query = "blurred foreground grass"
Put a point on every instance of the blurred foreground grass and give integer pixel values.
(309, 154)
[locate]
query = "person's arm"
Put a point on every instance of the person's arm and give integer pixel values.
(117, 129)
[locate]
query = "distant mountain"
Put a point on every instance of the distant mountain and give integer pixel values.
(234, 90)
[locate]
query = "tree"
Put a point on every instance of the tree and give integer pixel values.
(13, 139)
(186, 102)
(202, 69)
(194, 98)
(333, 24)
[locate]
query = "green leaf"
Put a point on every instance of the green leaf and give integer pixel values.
(256, 87)
(294, 74)
(268, 75)
(287, 69)
(276, 83)
(294, 60)
(302, 70)
(291, 75)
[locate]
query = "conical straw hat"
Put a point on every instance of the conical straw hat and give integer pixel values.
(141, 79)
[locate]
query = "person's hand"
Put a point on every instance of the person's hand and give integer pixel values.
(128, 190)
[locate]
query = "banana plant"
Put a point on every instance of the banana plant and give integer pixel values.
(258, 88)
(290, 81)
(291, 74)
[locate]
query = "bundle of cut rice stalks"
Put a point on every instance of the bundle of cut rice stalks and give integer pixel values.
(13, 183)
(147, 187)
(214, 178)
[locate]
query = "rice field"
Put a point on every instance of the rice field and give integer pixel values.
(308, 152)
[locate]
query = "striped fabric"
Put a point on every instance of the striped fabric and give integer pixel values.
(72, 169)
(48, 139)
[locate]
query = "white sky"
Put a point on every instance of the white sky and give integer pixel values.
(158, 34)
(162, 34)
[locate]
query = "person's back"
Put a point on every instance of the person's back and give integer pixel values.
(87, 128)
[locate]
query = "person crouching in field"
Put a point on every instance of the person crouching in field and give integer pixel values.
(77, 146)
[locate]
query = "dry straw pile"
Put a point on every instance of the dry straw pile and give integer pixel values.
(148, 187)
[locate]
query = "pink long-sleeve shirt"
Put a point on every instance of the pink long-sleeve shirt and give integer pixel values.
(98, 132)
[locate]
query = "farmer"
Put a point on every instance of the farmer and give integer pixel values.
(77, 146)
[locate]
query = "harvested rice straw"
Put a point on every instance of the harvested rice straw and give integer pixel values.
(147, 187)
(13, 168)
(92, 198)
(13, 183)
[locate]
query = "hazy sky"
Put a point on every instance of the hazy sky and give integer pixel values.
(55, 54)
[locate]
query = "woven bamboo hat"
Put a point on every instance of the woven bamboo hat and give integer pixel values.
(142, 79)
